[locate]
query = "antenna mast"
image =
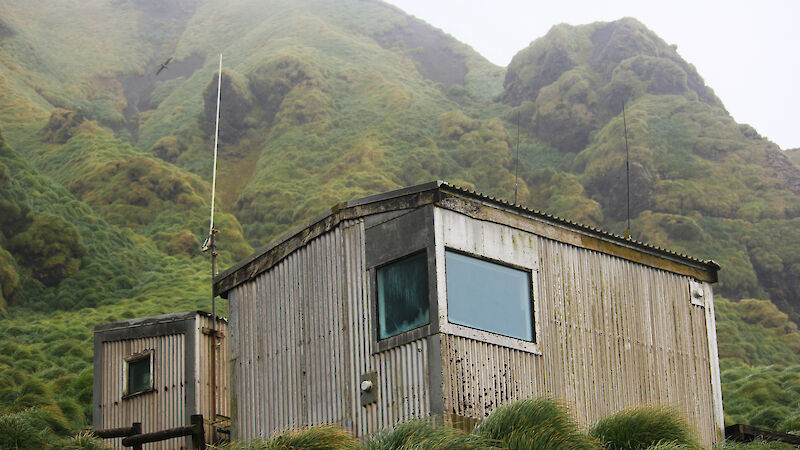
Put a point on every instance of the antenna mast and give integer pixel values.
(210, 243)
(516, 164)
(211, 230)
(627, 172)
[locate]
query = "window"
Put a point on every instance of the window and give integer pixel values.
(403, 295)
(139, 373)
(489, 296)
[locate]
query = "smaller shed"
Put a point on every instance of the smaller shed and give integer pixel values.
(157, 371)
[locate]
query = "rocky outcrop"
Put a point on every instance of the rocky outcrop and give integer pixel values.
(62, 126)
(430, 49)
(5, 30)
(785, 169)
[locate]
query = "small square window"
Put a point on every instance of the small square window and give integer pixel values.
(489, 296)
(403, 295)
(139, 373)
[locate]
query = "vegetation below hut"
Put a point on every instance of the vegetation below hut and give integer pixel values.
(539, 423)
(105, 166)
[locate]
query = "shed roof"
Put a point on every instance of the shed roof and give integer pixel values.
(433, 193)
(153, 320)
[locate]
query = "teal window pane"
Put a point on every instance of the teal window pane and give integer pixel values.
(489, 296)
(403, 295)
(139, 375)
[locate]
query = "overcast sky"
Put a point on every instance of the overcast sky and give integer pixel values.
(747, 51)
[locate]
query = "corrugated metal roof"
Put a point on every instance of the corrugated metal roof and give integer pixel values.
(421, 194)
(579, 226)
(152, 320)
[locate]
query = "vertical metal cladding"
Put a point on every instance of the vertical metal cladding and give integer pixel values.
(178, 391)
(610, 333)
(158, 410)
(202, 370)
(301, 340)
(402, 371)
(614, 334)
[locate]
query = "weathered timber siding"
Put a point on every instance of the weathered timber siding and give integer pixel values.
(300, 340)
(612, 334)
(164, 408)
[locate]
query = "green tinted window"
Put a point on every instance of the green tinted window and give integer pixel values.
(403, 295)
(139, 375)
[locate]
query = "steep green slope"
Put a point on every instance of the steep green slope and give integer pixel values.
(760, 362)
(700, 183)
(324, 101)
(56, 254)
(331, 99)
(794, 155)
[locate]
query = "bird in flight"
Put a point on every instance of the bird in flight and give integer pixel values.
(163, 65)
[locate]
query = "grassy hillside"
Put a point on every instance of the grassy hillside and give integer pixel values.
(700, 182)
(63, 269)
(105, 165)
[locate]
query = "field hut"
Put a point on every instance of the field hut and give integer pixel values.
(156, 371)
(435, 301)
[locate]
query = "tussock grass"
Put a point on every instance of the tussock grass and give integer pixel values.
(85, 441)
(32, 428)
(421, 434)
(322, 437)
(755, 445)
(18, 433)
(667, 446)
(539, 423)
(642, 428)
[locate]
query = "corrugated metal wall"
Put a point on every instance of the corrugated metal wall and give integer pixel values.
(300, 340)
(159, 410)
(203, 371)
(614, 334)
(169, 406)
(402, 371)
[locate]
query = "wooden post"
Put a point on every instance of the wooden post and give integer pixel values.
(195, 430)
(199, 434)
(136, 428)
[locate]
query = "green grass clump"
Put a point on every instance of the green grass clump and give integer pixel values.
(758, 444)
(85, 441)
(539, 423)
(641, 428)
(669, 445)
(421, 434)
(33, 428)
(321, 437)
(18, 433)
(762, 396)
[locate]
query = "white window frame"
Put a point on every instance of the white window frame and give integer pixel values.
(496, 243)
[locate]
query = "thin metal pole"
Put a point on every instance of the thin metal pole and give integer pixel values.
(627, 171)
(216, 142)
(516, 164)
(212, 232)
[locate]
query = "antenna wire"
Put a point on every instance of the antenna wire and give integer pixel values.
(627, 172)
